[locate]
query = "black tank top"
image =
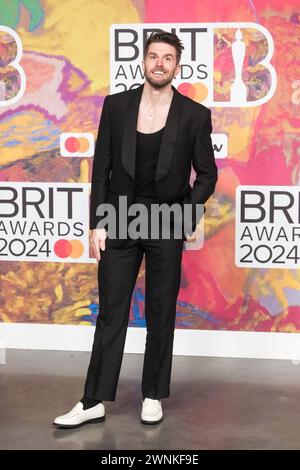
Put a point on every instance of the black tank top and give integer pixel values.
(147, 150)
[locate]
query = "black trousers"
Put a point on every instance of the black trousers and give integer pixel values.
(118, 269)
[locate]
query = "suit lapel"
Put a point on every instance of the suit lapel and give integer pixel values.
(168, 142)
(129, 133)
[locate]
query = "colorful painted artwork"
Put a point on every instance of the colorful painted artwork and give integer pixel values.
(65, 59)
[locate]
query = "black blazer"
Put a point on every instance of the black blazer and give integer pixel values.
(186, 140)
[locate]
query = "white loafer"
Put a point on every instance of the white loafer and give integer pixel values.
(151, 411)
(78, 416)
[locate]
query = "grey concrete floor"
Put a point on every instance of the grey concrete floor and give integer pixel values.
(215, 403)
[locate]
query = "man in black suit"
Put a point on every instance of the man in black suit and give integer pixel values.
(147, 140)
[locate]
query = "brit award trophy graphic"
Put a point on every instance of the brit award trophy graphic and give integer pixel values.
(238, 92)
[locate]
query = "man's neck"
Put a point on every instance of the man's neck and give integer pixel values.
(157, 96)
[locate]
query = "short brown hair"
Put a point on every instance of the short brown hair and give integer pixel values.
(169, 38)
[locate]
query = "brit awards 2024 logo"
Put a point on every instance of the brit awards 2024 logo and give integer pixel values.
(222, 64)
(44, 222)
(267, 227)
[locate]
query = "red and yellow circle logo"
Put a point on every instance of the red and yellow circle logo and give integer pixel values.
(196, 91)
(77, 144)
(68, 248)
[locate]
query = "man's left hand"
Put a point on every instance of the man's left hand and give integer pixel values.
(194, 236)
(191, 238)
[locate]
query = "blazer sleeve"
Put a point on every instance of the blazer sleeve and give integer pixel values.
(205, 167)
(101, 165)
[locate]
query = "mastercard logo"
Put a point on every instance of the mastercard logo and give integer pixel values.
(76, 144)
(196, 91)
(68, 248)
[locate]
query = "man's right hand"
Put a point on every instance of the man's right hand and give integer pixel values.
(97, 237)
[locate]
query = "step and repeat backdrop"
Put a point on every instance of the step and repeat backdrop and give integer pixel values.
(58, 61)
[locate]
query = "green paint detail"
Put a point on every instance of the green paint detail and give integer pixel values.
(10, 12)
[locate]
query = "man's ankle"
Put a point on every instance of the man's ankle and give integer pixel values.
(89, 402)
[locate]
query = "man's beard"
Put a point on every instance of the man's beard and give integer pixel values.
(160, 83)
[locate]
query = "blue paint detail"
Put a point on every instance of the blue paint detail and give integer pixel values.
(40, 138)
(139, 320)
(12, 143)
